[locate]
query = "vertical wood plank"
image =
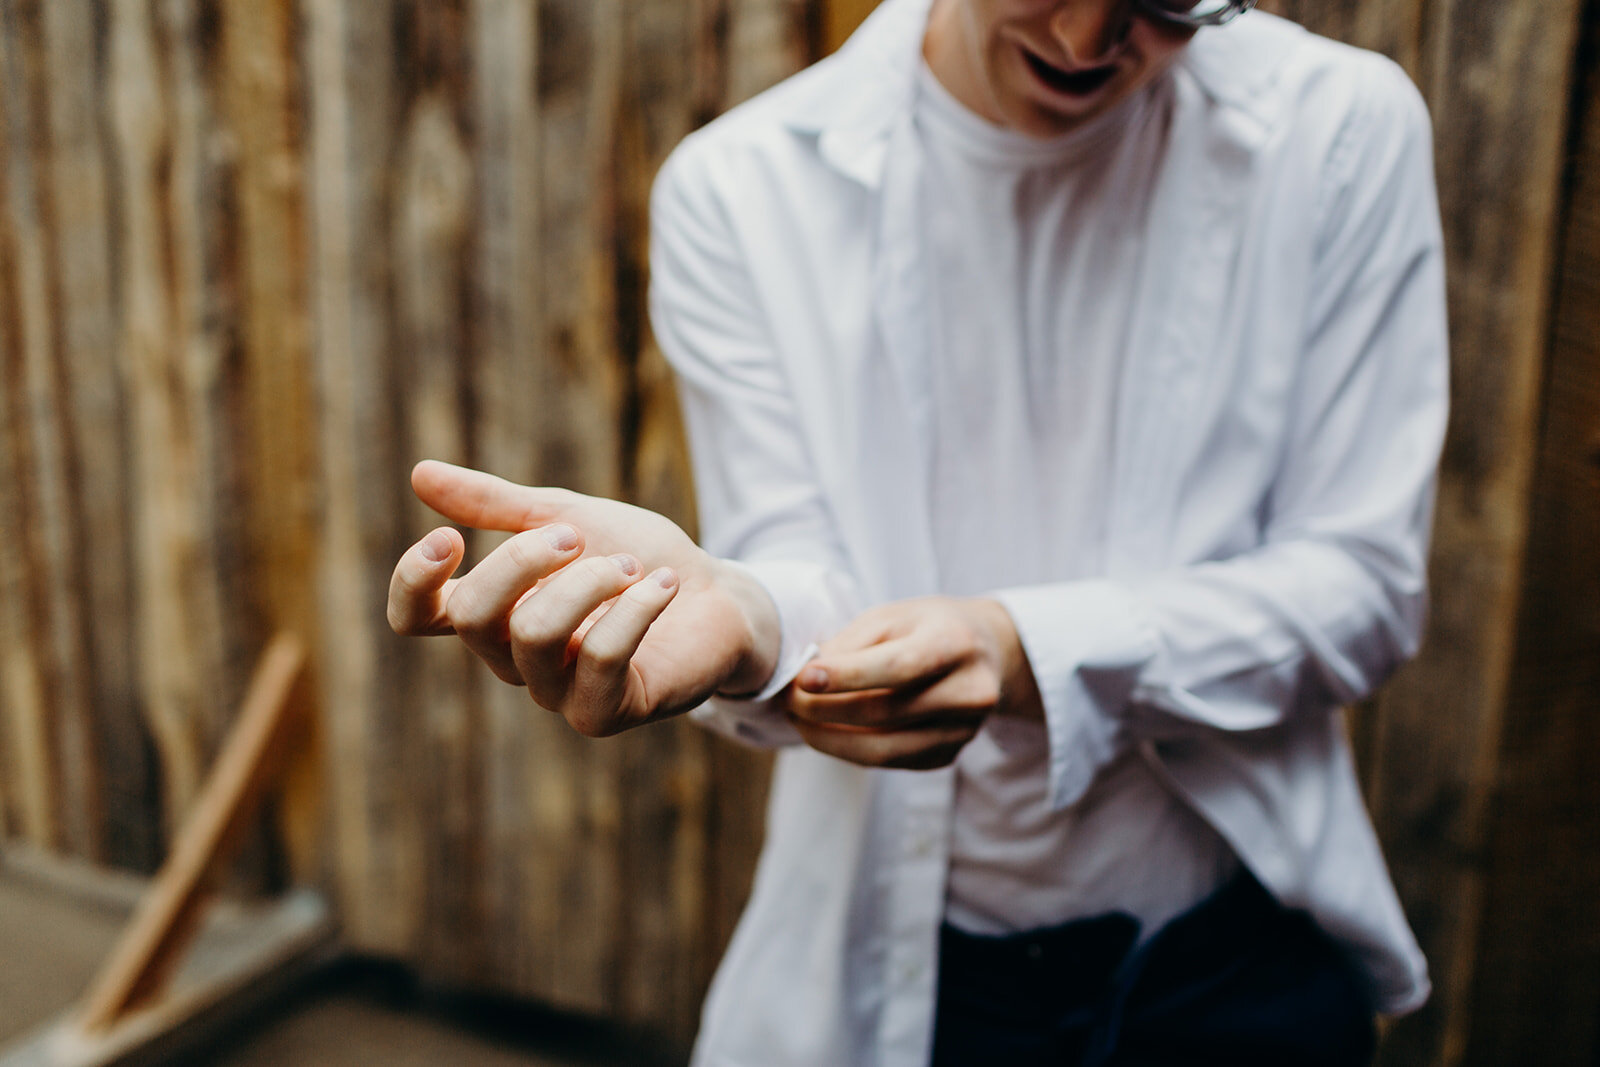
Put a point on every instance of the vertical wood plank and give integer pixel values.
(95, 413)
(261, 101)
(347, 675)
(49, 538)
(32, 788)
(664, 784)
(767, 41)
(1536, 990)
(378, 846)
(1431, 739)
(576, 906)
(1393, 27)
(260, 90)
(431, 245)
(206, 455)
(170, 361)
(1439, 723)
(508, 373)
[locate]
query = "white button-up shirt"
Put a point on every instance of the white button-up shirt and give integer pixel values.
(1276, 425)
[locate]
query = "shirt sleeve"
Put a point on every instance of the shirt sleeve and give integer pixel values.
(760, 504)
(1332, 599)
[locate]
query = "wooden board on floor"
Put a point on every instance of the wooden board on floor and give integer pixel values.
(243, 957)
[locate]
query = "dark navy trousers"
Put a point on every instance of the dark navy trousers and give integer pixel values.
(1239, 980)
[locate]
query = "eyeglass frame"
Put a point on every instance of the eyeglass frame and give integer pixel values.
(1153, 9)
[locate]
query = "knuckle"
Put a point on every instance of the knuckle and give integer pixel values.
(529, 552)
(899, 662)
(602, 653)
(409, 575)
(874, 751)
(981, 691)
(468, 612)
(520, 552)
(600, 572)
(529, 626)
(398, 621)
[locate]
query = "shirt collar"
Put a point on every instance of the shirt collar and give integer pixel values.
(872, 85)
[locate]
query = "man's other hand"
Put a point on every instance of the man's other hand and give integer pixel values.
(908, 684)
(608, 613)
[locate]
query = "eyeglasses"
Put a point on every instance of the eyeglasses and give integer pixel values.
(1194, 13)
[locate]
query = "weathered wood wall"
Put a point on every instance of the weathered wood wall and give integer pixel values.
(1439, 741)
(257, 257)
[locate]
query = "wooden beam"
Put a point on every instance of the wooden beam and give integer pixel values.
(167, 916)
(244, 958)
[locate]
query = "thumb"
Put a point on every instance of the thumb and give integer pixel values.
(484, 501)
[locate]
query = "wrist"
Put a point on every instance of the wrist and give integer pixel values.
(1019, 690)
(760, 630)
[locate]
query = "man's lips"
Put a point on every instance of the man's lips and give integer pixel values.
(1084, 82)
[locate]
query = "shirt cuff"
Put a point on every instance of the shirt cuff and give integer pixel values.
(812, 603)
(1086, 643)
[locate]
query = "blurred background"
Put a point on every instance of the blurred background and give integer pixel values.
(257, 257)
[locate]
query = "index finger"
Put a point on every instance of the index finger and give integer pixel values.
(892, 664)
(484, 501)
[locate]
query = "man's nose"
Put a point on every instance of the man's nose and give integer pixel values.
(1091, 31)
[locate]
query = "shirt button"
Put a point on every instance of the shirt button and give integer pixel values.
(922, 846)
(910, 973)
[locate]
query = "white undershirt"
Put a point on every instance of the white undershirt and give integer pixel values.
(1034, 247)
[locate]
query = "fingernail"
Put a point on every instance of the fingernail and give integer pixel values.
(628, 564)
(665, 577)
(814, 678)
(436, 547)
(562, 537)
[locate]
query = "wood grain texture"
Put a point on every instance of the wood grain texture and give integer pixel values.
(1536, 986)
(44, 450)
(170, 361)
(506, 387)
(372, 854)
(256, 259)
(95, 417)
(1440, 722)
(1431, 740)
(169, 914)
(31, 789)
(479, 177)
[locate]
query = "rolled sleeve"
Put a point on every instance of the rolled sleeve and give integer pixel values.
(812, 601)
(1086, 643)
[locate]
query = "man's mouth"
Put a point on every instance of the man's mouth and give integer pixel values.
(1083, 82)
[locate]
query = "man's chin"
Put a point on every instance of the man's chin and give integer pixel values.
(1044, 120)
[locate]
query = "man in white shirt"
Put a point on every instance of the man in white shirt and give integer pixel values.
(1065, 382)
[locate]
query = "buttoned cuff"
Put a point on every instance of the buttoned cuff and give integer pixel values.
(1086, 642)
(812, 602)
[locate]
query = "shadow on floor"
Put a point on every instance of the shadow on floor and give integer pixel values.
(361, 1011)
(352, 1012)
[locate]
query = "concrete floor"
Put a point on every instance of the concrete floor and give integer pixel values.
(353, 1013)
(49, 949)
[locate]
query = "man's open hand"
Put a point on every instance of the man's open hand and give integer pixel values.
(908, 684)
(608, 613)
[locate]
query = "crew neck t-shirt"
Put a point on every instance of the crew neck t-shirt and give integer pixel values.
(1034, 249)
